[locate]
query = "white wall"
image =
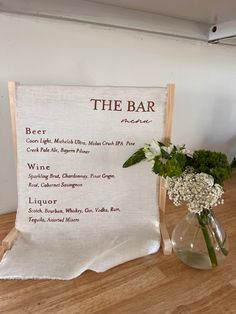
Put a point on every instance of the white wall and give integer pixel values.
(41, 51)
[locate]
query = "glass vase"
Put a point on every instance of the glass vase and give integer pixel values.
(199, 241)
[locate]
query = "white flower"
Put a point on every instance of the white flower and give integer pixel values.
(163, 160)
(150, 156)
(208, 179)
(155, 148)
(187, 152)
(183, 150)
(168, 149)
(180, 147)
(196, 189)
(152, 150)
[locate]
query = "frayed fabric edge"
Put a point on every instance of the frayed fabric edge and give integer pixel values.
(69, 278)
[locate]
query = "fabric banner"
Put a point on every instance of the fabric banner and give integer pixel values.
(78, 209)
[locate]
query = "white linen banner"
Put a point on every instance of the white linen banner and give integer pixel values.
(78, 209)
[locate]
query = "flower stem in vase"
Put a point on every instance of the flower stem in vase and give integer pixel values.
(218, 235)
(210, 248)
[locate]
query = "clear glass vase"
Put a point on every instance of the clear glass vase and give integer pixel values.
(199, 241)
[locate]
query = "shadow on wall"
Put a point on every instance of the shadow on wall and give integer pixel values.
(8, 191)
(232, 143)
(219, 138)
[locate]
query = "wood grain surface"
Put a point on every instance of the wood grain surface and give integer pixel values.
(155, 284)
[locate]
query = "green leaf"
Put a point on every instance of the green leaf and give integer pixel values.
(158, 167)
(164, 154)
(181, 159)
(135, 158)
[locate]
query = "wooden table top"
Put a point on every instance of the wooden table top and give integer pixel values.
(154, 284)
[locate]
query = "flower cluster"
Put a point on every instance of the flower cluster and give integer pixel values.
(196, 189)
(196, 179)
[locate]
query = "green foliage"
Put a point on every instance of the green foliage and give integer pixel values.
(173, 165)
(170, 160)
(213, 163)
(135, 158)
